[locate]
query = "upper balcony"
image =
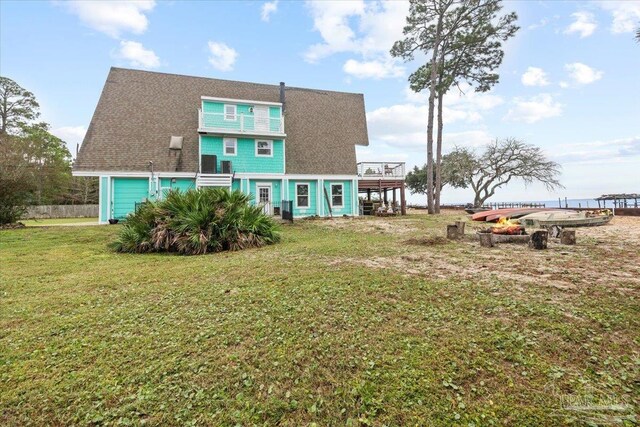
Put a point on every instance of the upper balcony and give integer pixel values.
(381, 170)
(240, 118)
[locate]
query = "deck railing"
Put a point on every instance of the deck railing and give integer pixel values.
(381, 170)
(240, 123)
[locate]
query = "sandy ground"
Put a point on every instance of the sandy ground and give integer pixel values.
(607, 255)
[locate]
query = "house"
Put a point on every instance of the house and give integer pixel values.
(152, 132)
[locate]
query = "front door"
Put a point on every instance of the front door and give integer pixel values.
(264, 198)
(261, 117)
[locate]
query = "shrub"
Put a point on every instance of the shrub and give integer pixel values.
(196, 222)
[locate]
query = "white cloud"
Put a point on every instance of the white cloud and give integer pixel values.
(72, 135)
(364, 29)
(373, 69)
(534, 109)
(465, 98)
(268, 9)
(535, 77)
(583, 74)
(626, 15)
(222, 56)
(137, 55)
(598, 151)
(584, 24)
(542, 23)
(113, 17)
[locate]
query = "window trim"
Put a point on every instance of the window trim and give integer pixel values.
(331, 185)
(308, 195)
(235, 112)
(235, 146)
(270, 142)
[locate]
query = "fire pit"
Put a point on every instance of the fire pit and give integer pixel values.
(509, 227)
(505, 231)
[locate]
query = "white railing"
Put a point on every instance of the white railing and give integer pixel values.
(378, 170)
(214, 180)
(240, 123)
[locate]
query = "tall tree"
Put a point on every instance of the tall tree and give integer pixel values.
(50, 159)
(470, 50)
(424, 34)
(18, 106)
(502, 162)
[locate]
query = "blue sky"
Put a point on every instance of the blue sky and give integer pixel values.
(570, 80)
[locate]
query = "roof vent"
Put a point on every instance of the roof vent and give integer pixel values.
(176, 143)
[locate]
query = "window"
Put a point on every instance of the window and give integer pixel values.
(230, 146)
(336, 195)
(264, 148)
(302, 195)
(230, 111)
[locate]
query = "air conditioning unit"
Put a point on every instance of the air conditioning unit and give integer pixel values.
(225, 166)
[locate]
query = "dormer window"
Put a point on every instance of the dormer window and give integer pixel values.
(230, 111)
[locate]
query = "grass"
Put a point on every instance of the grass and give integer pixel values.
(350, 322)
(56, 221)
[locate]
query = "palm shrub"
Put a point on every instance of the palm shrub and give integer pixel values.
(196, 222)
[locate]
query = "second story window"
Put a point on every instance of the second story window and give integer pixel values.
(230, 111)
(230, 146)
(264, 148)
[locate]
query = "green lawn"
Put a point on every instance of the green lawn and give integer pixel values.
(57, 221)
(346, 322)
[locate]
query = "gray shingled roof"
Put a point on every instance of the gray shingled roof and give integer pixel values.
(139, 111)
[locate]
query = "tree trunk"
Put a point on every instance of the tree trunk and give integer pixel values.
(568, 237)
(438, 183)
(539, 239)
(486, 240)
(432, 96)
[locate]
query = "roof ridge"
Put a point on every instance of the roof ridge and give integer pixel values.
(233, 81)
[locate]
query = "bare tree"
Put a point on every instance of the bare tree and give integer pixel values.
(502, 162)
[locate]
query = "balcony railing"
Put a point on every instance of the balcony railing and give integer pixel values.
(240, 123)
(381, 170)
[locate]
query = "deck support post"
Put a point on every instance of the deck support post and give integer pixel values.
(403, 204)
(385, 197)
(368, 194)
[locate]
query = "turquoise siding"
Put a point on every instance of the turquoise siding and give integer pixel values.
(245, 161)
(347, 198)
(126, 193)
(313, 196)
(217, 120)
(182, 184)
(276, 191)
(235, 185)
(104, 199)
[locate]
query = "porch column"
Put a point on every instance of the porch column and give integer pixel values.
(403, 203)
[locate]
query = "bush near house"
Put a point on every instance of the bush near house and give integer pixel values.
(196, 222)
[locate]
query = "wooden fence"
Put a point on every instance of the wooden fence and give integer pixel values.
(61, 211)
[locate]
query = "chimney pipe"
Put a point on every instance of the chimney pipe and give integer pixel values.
(282, 95)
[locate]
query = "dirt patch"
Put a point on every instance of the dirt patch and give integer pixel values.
(370, 225)
(606, 256)
(427, 241)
